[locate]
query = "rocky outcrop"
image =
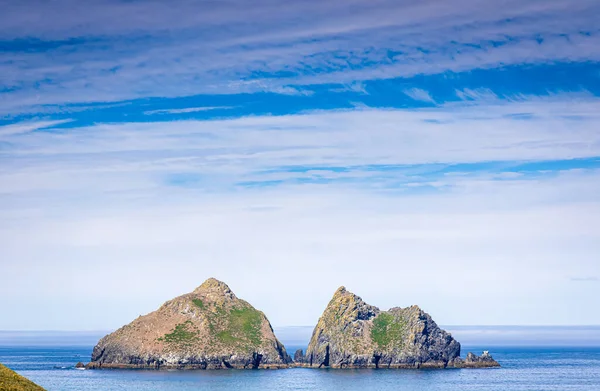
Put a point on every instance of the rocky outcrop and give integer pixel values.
(354, 334)
(299, 356)
(475, 361)
(209, 328)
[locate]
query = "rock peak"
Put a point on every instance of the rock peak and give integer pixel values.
(344, 297)
(215, 288)
(340, 291)
(212, 284)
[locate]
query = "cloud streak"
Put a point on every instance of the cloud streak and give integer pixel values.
(419, 94)
(26, 127)
(216, 51)
(186, 110)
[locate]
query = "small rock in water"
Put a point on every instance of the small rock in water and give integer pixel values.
(474, 361)
(299, 356)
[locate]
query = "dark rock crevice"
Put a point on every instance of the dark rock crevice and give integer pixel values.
(326, 360)
(376, 359)
(256, 357)
(227, 364)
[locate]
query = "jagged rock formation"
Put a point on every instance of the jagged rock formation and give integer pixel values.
(475, 361)
(12, 381)
(299, 356)
(354, 334)
(209, 328)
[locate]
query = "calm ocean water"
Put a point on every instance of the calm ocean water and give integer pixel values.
(523, 368)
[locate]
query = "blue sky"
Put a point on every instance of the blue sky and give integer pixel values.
(439, 153)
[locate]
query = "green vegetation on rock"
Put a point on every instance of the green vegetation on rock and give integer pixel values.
(198, 303)
(387, 331)
(246, 322)
(242, 326)
(183, 334)
(12, 381)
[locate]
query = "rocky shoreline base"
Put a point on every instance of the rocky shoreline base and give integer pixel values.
(471, 361)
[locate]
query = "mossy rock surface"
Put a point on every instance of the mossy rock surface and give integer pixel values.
(12, 381)
(354, 334)
(207, 328)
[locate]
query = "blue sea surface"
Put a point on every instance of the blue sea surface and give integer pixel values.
(523, 368)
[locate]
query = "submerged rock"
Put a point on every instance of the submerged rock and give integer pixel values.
(209, 328)
(354, 334)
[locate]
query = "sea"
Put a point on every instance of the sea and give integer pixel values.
(530, 361)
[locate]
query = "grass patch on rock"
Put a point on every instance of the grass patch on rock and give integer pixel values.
(183, 334)
(387, 331)
(243, 327)
(198, 303)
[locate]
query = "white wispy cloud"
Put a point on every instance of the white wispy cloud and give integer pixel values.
(354, 87)
(478, 94)
(26, 127)
(419, 94)
(187, 110)
(186, 51)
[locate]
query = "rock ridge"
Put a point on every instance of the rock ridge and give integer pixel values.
(353, 334)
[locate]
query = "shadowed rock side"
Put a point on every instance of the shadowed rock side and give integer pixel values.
(354, 334)
(12, 381)
(209, 328)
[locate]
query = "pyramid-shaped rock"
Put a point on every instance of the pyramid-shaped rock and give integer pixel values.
(209, 328)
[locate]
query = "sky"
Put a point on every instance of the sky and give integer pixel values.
(439, 153)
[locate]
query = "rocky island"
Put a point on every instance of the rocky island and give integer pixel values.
(354, 334)
(209, 328)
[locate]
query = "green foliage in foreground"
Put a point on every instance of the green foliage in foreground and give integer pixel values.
(387, 331)
(12, 381)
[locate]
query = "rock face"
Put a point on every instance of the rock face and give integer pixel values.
(354, 334)
(209, 328)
